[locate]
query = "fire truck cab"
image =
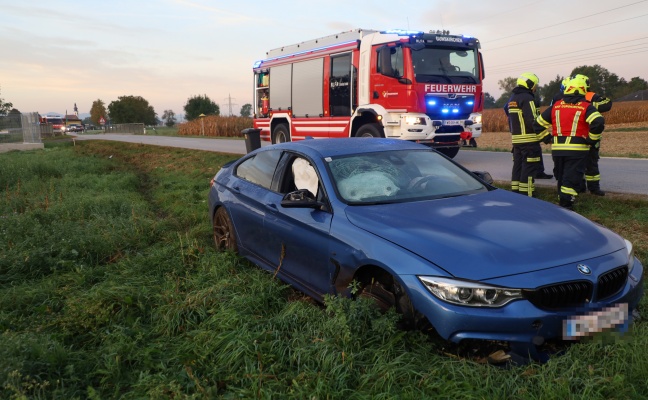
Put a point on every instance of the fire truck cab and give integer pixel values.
(423, 87)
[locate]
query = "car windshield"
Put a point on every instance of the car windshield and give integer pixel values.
(399, 176)
(445, 65)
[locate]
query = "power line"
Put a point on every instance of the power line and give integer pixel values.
(580, 60)
(571, 20)
(628, 50)
(570, 53)
(568, 33)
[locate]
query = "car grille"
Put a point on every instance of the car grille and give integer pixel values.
(566, 294)
(611, 282)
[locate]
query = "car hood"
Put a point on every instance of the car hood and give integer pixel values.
(488, 235)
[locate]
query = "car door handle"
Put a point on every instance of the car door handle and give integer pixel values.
(236, 189)
(271, 206)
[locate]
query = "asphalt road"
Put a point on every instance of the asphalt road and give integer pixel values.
(620, 175)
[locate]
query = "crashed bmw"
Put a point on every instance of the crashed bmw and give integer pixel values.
(416, 231)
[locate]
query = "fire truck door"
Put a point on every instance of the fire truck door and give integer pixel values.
(387, 90)
(340, 86)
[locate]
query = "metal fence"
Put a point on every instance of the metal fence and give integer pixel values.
(135, 129)
(20, 128)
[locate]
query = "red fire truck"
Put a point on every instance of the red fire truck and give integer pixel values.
(423, 87)
(58, 123)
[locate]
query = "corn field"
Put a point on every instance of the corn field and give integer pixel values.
(627, 112)
(215, 126)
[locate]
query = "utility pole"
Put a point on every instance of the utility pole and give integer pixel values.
(230, 104)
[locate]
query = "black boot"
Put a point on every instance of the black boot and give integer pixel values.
(595, 188)
(544, 175)
(567, 202)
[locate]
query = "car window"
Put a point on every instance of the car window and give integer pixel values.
(260, 168)
(399, 176)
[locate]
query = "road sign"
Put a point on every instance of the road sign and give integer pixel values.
(102, 121)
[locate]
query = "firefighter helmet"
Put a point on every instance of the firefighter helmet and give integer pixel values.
(577, 85)
(563, 84)
(584, 78)
(528, 80)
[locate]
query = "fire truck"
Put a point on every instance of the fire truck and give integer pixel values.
(58, 123)
(422, 87)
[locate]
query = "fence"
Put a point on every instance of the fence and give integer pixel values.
(135, 129)
(20, 128)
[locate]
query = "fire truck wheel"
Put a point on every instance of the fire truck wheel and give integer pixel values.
(370, 130)
(449, 151)
(281, 134)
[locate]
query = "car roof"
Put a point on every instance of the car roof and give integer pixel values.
(347, 146)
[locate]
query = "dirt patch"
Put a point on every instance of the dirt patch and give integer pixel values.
(615, 142)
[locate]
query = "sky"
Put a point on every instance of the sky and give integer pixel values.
(58, 53)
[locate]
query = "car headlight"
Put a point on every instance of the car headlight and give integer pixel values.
(476, 118)
(631, 256)
(471, 294)
(409, 120)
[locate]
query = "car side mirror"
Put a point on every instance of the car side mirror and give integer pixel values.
(484, 176)
(301, 198)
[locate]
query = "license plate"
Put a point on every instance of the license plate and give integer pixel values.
(595, 322)
(452, 122)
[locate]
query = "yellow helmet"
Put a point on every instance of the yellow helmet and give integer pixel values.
(528, 80)
(577, 84)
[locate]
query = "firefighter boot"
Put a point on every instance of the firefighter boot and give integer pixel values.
(595, 188)
(567, 202)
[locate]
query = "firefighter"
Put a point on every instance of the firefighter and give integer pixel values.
(592, 179)
(521, 112)
(576, 125)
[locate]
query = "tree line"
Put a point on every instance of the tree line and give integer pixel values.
(602, 81)
(135, 109)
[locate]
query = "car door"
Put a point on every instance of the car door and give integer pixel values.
(299, 237)
(250, 187)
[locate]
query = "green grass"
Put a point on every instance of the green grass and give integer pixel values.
(110, 288)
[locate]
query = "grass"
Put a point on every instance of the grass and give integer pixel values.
(110, 287)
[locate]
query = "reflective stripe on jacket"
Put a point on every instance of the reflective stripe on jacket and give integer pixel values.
(575, 124)
(522, 112)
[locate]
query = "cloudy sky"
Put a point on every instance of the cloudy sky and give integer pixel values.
(56, 53)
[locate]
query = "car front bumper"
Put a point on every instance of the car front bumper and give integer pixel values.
(519, 322)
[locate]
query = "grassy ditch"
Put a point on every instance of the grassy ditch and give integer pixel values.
(110, 288)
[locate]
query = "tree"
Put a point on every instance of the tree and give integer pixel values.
(506, 85)
(636, 84)
(169, 118)
(549, 90)
(489, 101)
(97, 111)
(130, 110)
(246, 110)
(602, 81)
(200, 105)
(5, 107)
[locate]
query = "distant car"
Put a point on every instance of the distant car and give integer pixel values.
(74, 128)
(418, 232)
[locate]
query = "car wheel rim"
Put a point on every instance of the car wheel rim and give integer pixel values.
(222, 237)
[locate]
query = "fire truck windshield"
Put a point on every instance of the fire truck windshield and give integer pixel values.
(445, 65)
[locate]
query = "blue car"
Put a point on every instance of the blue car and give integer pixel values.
(416, 231)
